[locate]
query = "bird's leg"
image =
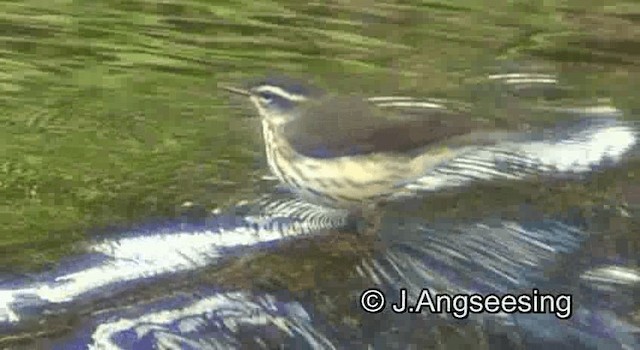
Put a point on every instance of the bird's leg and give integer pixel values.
(370, 221)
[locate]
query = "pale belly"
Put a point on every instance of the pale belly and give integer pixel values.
(339, 183)
(345, 182)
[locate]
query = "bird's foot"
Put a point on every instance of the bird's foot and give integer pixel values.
(369, 221)
(369, 225)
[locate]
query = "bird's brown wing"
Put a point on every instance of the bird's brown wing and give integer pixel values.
(347, 126)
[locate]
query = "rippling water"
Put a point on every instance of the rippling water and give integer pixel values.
(136, 209)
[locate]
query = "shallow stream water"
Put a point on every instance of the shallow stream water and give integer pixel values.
(137, 210)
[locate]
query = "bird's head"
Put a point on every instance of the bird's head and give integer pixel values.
(277, 100)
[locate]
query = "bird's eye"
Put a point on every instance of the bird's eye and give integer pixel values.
(267, 97)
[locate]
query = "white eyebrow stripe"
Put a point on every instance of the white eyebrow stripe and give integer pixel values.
(390, 98)
(410, 104)
(521, 76)
(280, 92)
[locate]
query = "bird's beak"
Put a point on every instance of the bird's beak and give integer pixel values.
(235, 90)
(238, 91)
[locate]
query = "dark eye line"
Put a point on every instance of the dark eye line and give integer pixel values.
(268, 97)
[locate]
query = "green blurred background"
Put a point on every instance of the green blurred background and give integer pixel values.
(110, 116)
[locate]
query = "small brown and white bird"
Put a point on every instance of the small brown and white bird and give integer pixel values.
(354, 152)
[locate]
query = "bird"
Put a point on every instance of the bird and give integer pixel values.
(353, 152)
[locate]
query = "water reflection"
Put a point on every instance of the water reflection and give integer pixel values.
(490, 255)
(207, 321)
(155, 251)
